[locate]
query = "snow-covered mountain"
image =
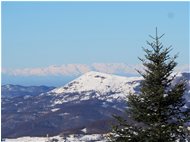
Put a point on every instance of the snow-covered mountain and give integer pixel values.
(83, 106)
(105, 87)
(99, 82)
(97, 85)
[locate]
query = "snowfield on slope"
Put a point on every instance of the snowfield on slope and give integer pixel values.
(96, 85)
(99, 82)
(70, 138)
(102, 86)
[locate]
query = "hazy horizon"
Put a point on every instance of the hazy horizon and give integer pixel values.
(51, 43)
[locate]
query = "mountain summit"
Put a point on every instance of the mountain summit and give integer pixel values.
(97, 85)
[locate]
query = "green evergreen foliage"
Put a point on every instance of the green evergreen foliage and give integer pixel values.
(155, 114)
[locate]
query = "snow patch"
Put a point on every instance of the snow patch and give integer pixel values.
(55, 109)
(70, 138)
(84, 130)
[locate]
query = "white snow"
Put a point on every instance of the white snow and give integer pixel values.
(100, 82)
(165, 95)
(64, 114)
(55, 109)
(70, 138)
(84, 130)
(27, 96)
(96, 85)
(27, 139)
(105, 87)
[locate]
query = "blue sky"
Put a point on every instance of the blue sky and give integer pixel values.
(38, 35)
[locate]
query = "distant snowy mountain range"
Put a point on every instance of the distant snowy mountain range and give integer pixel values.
(83, 106)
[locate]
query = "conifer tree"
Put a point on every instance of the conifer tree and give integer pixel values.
(156, 114)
